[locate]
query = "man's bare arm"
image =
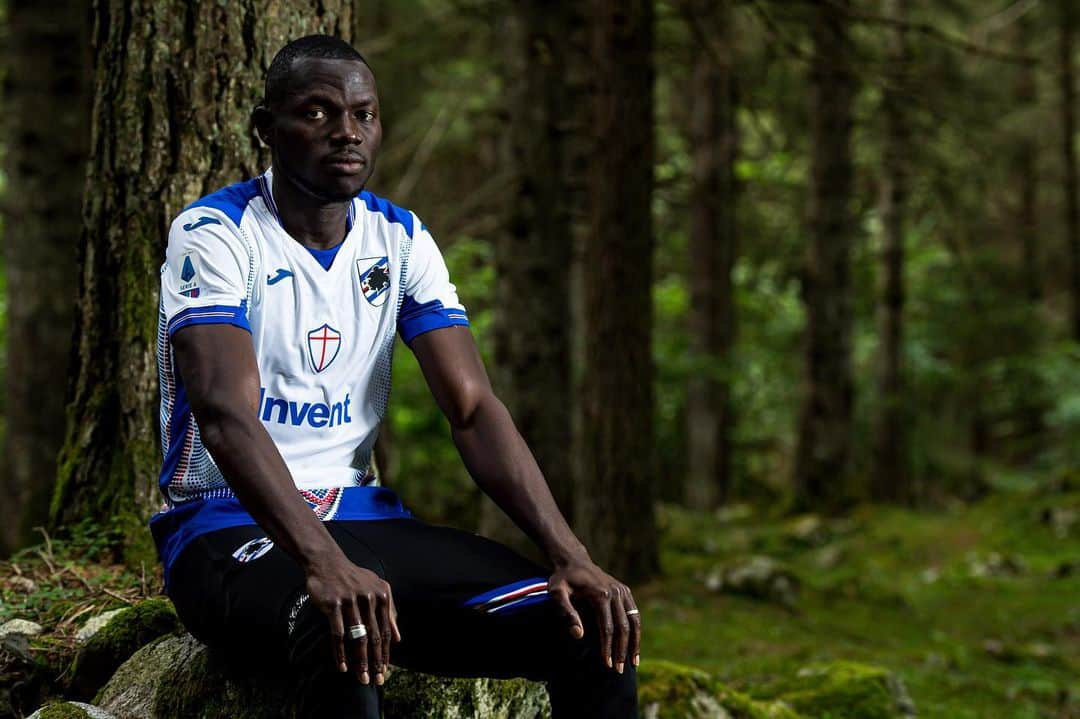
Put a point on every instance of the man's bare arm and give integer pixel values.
(218, 368)
(502, 465)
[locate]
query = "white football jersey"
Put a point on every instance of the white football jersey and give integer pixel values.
(323, 338)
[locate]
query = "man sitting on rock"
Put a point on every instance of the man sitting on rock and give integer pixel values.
(280, 300)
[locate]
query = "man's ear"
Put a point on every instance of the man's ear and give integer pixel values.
(263, 121)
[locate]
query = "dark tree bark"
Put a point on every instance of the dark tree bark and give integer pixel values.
(175, 82)
(613, 501)
(532, 254)
(891, 481)
(1023, 168)
(1068, 151)
(821, 462)
(47, 96)
(709, 411)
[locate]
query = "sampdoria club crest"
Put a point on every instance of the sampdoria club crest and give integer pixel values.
(374, 278)
(323, 345)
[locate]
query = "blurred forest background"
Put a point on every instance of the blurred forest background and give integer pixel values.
(754, 276)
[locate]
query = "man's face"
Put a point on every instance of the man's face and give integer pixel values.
(325, 131)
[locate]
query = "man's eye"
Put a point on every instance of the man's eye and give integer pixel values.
(366, 115)
(315, 114)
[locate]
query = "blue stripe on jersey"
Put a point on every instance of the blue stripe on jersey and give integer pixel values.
(388, 210)
(231, 200)
(175, 528)
(211, 315)
(179, 420)
(415, 318)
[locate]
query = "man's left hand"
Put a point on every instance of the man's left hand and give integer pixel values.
(616, 612)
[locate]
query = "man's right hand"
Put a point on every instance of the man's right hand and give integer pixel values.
(349, 595)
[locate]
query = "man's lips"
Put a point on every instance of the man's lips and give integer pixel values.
(348, 161)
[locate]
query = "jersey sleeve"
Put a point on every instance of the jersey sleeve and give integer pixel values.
(431, 300)
(207, 271)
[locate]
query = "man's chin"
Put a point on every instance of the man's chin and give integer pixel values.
(343, 187)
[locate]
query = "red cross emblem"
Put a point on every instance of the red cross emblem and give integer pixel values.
(323, 345)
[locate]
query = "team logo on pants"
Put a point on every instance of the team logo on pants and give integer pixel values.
(374, 278)
(252, 550)
(323, 345)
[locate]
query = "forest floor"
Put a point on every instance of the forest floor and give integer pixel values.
(976, 607)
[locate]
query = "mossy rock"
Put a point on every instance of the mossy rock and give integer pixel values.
(23, 677)
(410, 695)
(179, 677)
(176, 677)
(118, 640)
(843, 690)
(671, 691)
(70, 710)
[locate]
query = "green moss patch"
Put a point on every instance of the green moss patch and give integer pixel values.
(62, 710)
(117, 641)
(671, 691)
(843, 690)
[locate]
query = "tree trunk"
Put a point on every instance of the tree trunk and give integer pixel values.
(1024, 184)
(821, 462)
(613, 502)
(709, 412)
(1068, 147)
(47, 94)
(532, 254)
(174, 85)
(891, 481)
(1024, 167)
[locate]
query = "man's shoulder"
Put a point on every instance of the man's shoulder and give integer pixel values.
(231, 200)
(387, 211)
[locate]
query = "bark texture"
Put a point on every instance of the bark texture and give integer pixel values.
(709, 411)
(1067, 79)
(532, 254)
(1024, 186)
(613, 502)
(47, 96)
(821, 462)
(891, 479)
(1023, 167)
(174, 86)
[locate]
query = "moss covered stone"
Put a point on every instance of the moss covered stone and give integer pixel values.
(70, 710)
(410, 695)
(178, 677)
(62, 710)
(112, 645)
(671, 691)
(175, 677)
(844, 690)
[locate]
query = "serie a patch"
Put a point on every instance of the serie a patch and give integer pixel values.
(189, 276)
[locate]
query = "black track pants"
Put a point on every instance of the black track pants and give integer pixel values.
(450, 589)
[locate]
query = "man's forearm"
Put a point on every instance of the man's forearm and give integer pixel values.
(257, 474)
(502, 465)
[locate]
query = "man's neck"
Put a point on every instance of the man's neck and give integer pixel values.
(312, 221)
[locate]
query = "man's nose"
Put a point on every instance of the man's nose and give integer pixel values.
(347, 129)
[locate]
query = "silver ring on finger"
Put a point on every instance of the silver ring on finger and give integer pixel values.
(357, 631)
(632, 611)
